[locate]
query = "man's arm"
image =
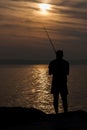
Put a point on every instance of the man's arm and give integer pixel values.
(50, 69)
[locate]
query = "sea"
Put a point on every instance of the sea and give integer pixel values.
(29, 86)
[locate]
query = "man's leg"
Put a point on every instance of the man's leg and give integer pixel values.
(55, 102)
(65, 104)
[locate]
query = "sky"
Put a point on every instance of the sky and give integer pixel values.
(22, 34)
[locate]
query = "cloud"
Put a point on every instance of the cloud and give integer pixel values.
(21, 26)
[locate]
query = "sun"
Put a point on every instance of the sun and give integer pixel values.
(44, 7)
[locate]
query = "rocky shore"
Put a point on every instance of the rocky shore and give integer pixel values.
(18, 118)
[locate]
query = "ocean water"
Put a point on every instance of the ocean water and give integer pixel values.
(29, 86)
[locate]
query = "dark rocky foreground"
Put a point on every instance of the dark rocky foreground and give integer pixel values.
(17, 118)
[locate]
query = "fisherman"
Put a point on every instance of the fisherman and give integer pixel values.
(59, 69)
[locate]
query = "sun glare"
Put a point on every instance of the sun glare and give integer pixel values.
(44, 7)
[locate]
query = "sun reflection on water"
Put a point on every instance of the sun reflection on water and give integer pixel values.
(41, 82)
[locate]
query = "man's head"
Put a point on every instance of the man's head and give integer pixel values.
(59, 54)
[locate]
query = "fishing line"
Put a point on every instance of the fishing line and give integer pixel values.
(50, 40)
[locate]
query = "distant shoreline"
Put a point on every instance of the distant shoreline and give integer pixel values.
(22, 62)
(31, 62)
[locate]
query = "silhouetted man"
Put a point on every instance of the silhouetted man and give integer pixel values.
(59, 68)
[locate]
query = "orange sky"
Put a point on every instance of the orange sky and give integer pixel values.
(22, 35)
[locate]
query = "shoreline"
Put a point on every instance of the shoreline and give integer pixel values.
(32, 118)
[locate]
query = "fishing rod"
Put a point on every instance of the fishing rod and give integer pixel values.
(50, 40)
